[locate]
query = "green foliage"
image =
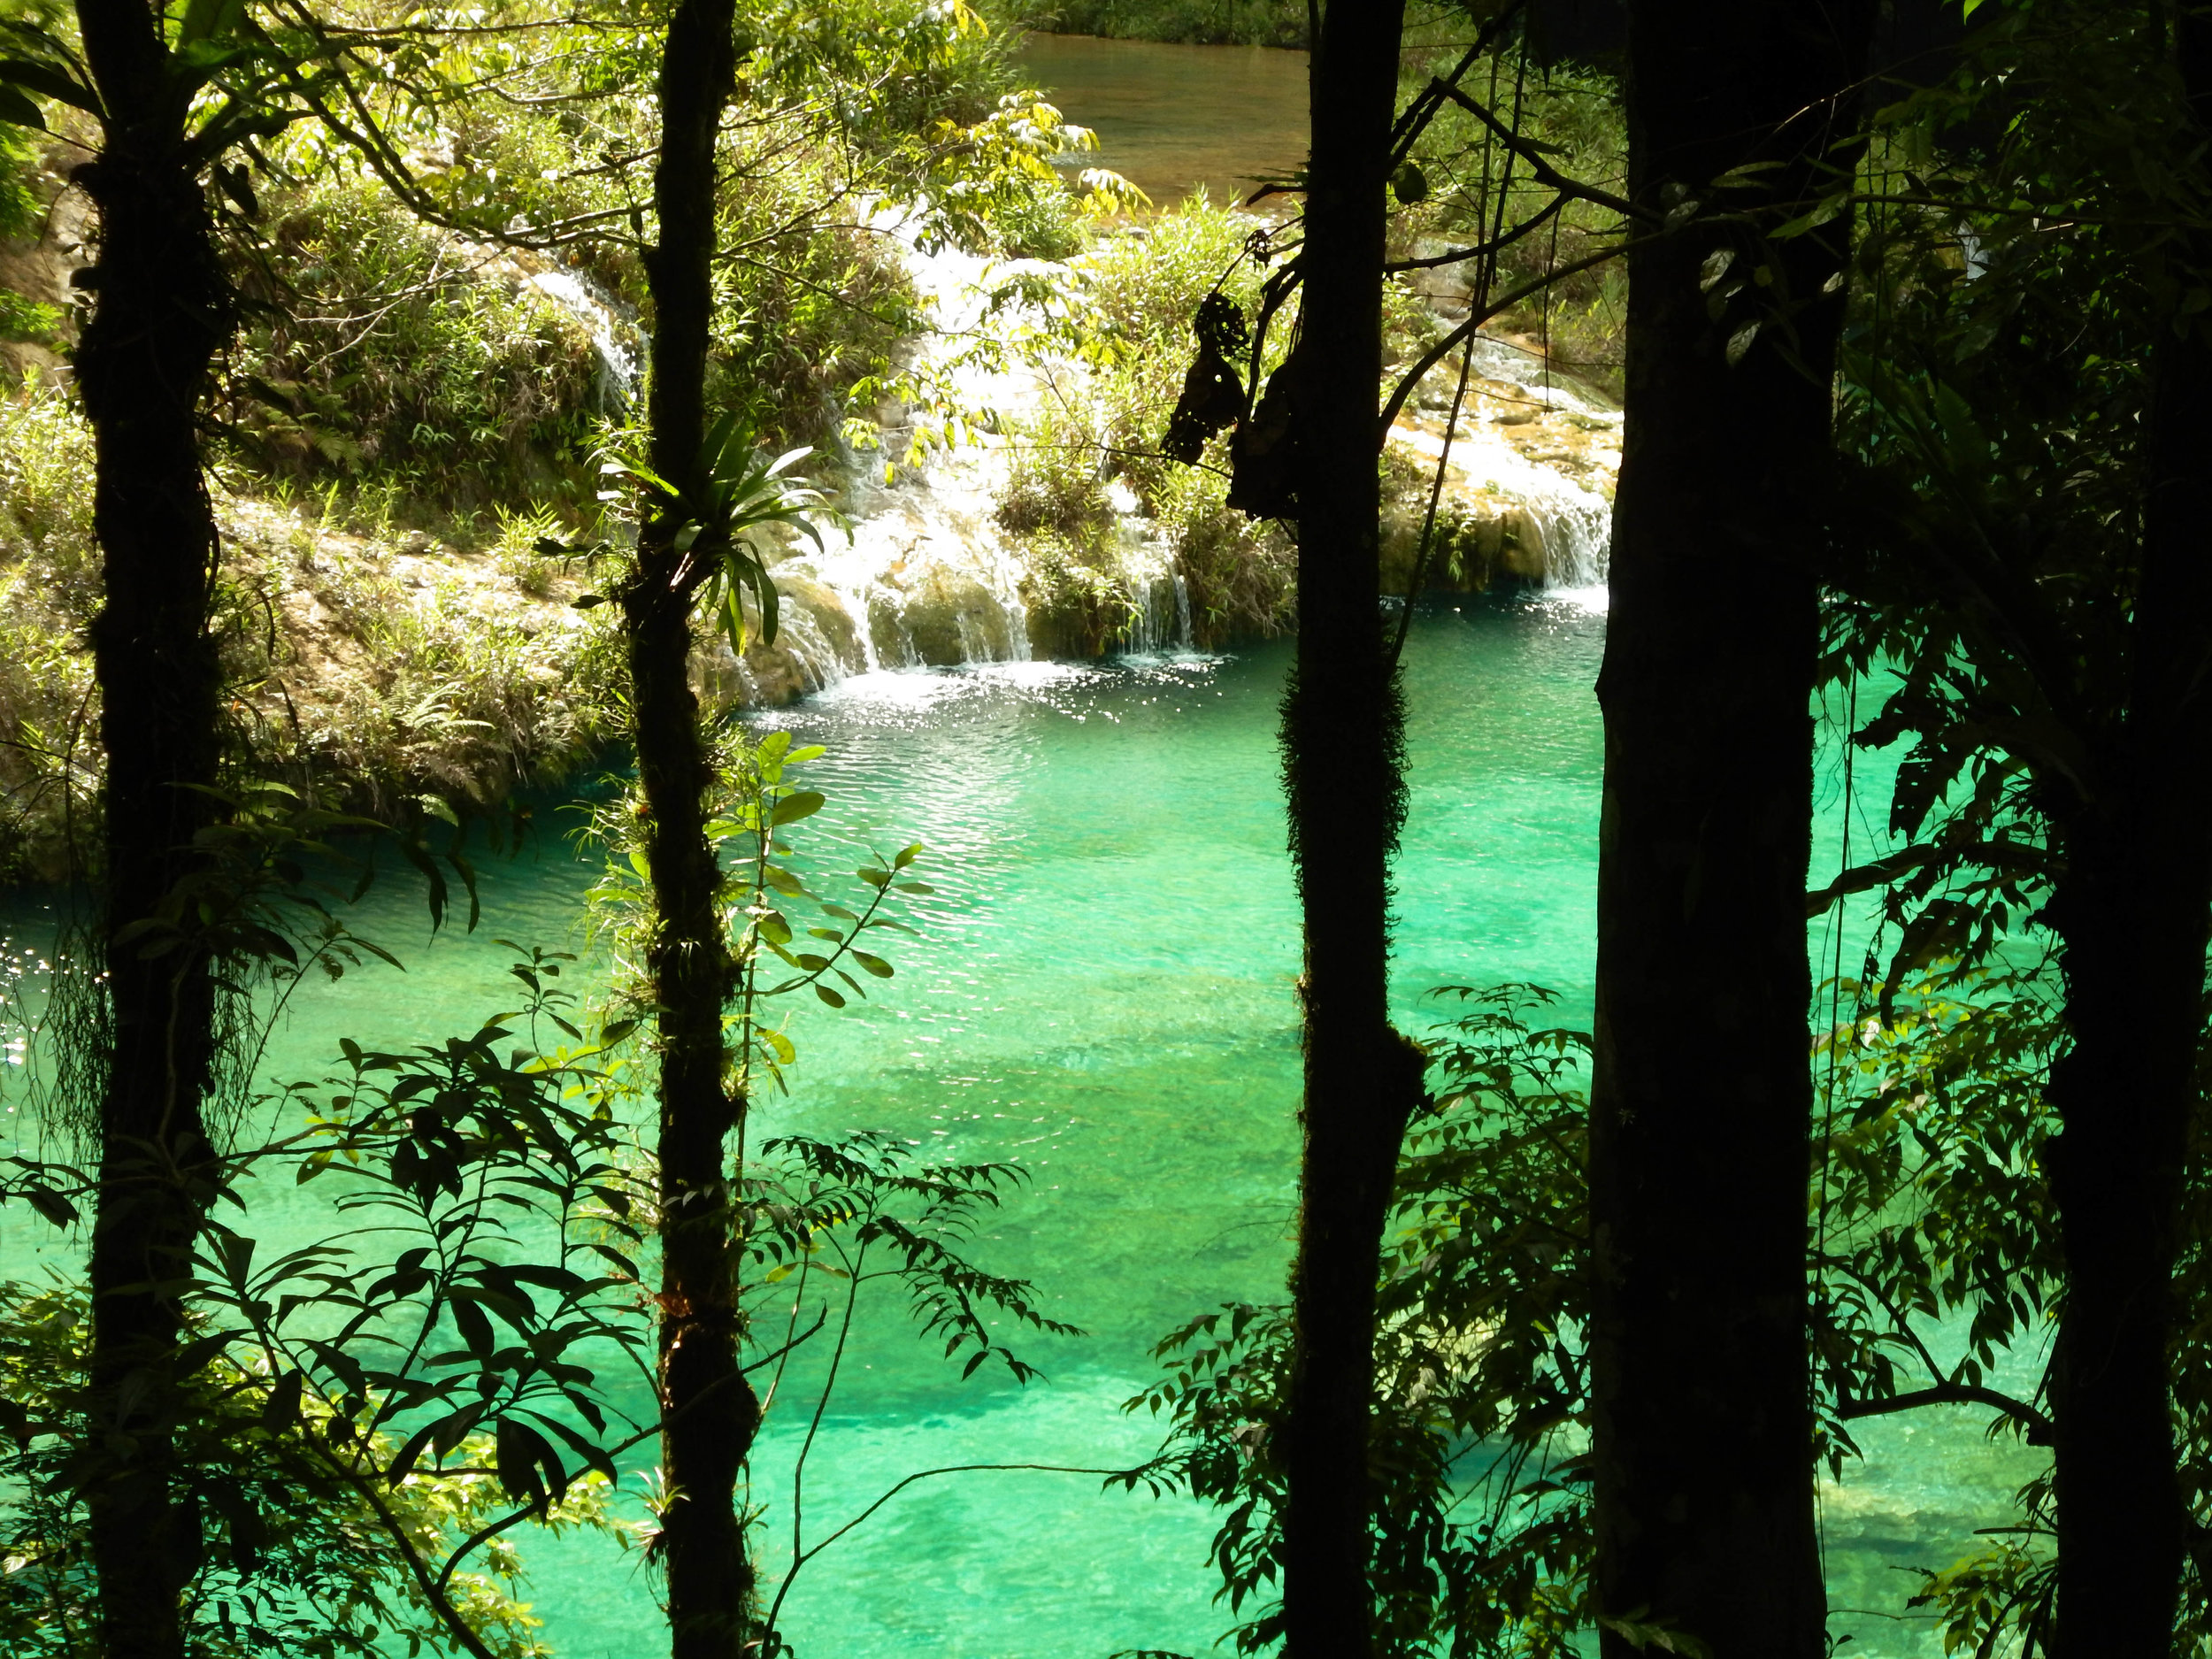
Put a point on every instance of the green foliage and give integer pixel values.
(1102, 424)
(1481, 1536)
(378, 677)
(389, 351)
(49, 591)
(761, 894)
(1191, 22)
(2026, 248)
(329, 1388)
(1928, 1206)
(22, 206)
(1056, 502)
(1574, 117)
(816, 1221)
(1934, 1205)
(297, 1562)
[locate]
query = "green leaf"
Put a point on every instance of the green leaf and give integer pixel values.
(829, 996)
(476, 1329)
(792, 807)
(51, 1205)
(281, 1410)
(518, 1452)
(48, 82)
(876, 965)
(18, 110)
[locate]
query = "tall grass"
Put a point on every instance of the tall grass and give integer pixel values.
(368, 674)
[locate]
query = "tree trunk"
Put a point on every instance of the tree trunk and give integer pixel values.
(1701, 1104)
(711, 1412)
(162, 312)
(2132, 907)
(1342, 751)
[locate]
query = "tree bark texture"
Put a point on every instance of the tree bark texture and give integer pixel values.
(1701, 1104)
(712, 1412)
(162, 312)
(2132, 907)
(1342, 752)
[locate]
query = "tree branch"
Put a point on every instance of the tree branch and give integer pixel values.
(2039, 1427)
(1467, 330)
(1546, 173)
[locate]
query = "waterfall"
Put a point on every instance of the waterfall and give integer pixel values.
(1531, 456)
(617, 341)
(927, 578)
(1159, 617)
(615, 338)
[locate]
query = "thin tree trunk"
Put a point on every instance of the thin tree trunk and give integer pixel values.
(1701, 1104)
(2133, 907)
(712, 1413)
(161, 313)
(1343, 750)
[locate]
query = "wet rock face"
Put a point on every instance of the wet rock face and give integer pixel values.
(805, 601)
(817, 644)
(950, 617)
(1528, 486)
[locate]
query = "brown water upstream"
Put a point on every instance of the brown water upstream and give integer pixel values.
(1174, 119)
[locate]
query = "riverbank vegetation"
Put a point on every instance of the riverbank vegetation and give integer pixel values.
(1188, 22)
(410, 407)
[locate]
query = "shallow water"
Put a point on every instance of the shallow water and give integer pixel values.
(1103, 991)
(1174, 119)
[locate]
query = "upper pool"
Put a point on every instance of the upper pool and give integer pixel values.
(1174, 119)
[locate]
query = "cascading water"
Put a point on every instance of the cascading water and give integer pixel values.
(1159, 617)
(1533, 456)
(617, 339)
(926, 577)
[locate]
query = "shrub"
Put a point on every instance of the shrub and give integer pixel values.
(50, 588)
(400, 353)
(1144, 289)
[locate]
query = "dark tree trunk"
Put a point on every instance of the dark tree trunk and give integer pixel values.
(711, 1410)
(161, 312)
(1341, 748)
(1701, 1104)
(2132, 908)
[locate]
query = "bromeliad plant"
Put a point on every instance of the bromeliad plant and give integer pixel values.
(744, 491)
